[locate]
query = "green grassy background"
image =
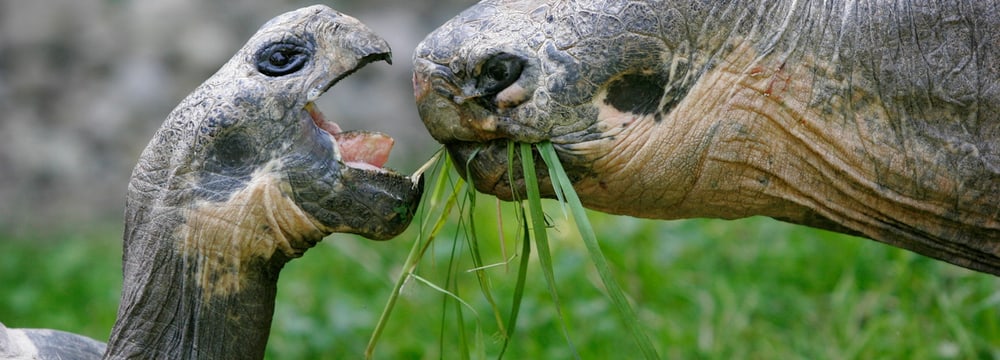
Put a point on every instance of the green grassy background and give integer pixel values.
(754, 288)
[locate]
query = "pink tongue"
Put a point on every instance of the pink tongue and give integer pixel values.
(364, 149)
(359, 149)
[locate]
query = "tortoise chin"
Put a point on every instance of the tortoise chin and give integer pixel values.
(376, 204)
(491, 170)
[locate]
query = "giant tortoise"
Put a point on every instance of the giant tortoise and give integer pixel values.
(878, 119)
(244, 175)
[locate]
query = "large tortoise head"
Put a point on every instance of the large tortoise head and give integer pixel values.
(831, 116)
(530, 71)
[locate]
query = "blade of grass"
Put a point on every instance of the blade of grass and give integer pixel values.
(451, 281)
(556, 187)
(432, 162)
(501, 237)
(419, 247)
(537, 225)
(525, 254)
(618, 298)
(477, 259)
(522, 275)
(463, 343)
(493, 265)
(444, 291)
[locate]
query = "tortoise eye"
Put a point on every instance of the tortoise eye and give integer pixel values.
(499, 72)
(282, 59)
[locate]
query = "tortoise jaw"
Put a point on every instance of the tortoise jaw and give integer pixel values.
(384, 203)
(476, 137)
(344, 185)
(487, 166)
(350, 191)
(360, 149)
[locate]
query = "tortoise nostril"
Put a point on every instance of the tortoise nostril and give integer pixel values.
(499, 72)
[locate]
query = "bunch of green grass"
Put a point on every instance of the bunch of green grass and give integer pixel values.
(532, 228)
(753, 288)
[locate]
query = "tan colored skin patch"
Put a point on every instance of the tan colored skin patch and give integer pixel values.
(253, 224)
(744, 131)
(750, 138)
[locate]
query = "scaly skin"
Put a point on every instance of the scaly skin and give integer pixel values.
(878, 119)
(242, 177)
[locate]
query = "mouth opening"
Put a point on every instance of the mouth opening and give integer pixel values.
(366, 150)
(487, 166)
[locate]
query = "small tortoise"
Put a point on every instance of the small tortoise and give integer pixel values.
(878, 119)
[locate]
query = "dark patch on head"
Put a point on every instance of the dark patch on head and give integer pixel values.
(230, 161)
(232, 150)
(636, 93)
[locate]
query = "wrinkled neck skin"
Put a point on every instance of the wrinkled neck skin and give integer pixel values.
(200, 278)
(835, 117)
(166, 314)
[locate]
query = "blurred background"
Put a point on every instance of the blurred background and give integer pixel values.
(85, 83)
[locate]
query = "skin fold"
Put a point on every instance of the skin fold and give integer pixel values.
(877, 119)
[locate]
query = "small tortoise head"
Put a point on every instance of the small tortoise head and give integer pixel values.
(536, 70)
(248, 162)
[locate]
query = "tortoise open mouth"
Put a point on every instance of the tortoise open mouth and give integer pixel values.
(365, 150)
(349, 189)
(358, 149)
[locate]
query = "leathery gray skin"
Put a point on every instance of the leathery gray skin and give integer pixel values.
(877, 119)
(239, 180)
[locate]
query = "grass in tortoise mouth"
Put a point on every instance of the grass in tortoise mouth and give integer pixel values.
(450, 191)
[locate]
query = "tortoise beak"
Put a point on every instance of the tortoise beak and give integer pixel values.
(353, 192)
